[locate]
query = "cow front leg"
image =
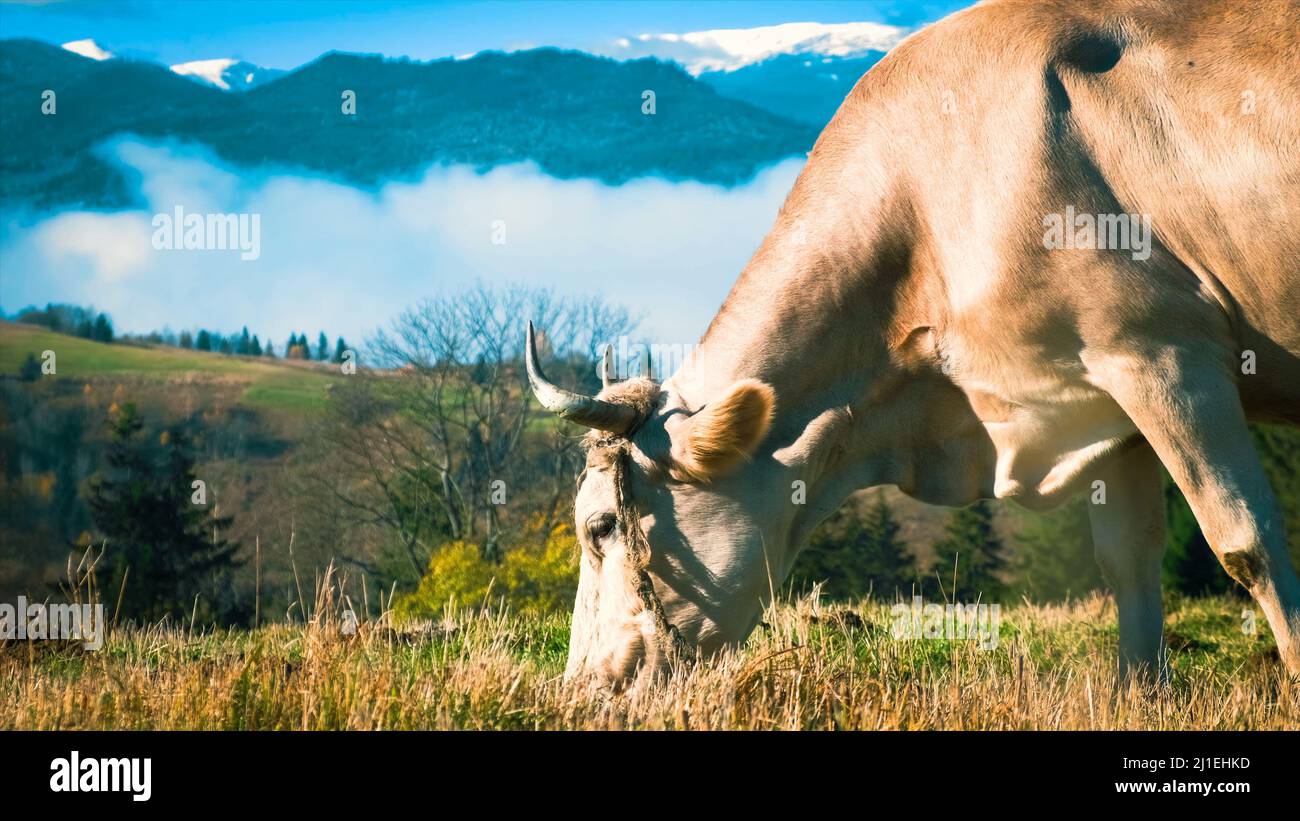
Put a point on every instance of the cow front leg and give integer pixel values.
(1189, 410)
(1128, 536)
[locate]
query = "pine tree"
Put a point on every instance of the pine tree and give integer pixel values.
(339, 349)
(204, 342)
(256, 348)
(103, 331)
(855, 553)
(322, 347)
(888, 562)
(30, 370)
(1054, 555)
(187, 339)
(161, 549)
(269, 350)
(297, 347)
(970, 559)
(244, 343)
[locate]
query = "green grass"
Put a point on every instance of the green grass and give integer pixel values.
(268, 384)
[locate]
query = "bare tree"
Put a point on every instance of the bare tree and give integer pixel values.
(438, 437)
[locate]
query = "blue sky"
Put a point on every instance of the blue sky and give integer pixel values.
(288, 33)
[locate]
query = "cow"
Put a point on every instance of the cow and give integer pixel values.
(930, 311)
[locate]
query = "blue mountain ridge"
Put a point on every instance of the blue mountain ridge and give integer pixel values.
(573, 114)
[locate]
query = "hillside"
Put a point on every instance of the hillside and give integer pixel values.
(246, 417)
(260, 383)
(573, 114)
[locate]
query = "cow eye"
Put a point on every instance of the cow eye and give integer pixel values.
(601, 525)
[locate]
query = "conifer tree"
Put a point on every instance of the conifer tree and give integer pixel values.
(970, 559)
(161, 548)
(856, 552)
(103, 331)
(30, 370)
(1054, 555)
(889, 564)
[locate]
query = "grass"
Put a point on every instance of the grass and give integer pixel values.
(268, 384)
(810, 667)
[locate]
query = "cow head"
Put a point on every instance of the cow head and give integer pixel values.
(663, 495)
(709, 503)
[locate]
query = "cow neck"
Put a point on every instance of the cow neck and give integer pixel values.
(817, 311)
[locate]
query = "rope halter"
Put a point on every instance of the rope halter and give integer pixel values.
(674, 646)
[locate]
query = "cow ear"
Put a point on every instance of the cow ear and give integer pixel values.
(722, 433)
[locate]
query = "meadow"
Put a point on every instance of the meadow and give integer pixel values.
(275, 385)
(809, 666)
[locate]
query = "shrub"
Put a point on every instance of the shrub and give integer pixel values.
(540, 575)
(31, 369)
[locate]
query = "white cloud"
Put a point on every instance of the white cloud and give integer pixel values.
(88, 48)
(348, 261)
(113, 246)
(730, 49)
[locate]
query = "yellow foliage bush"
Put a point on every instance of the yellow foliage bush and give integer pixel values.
(540, 575)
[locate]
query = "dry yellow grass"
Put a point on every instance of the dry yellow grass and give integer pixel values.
(810, 667)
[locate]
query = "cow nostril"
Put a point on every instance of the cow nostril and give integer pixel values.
(616, 676)
(620, 668)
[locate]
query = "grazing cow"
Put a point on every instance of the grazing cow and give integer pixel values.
(932, 311)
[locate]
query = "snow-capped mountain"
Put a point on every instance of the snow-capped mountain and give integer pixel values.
(88, 48)
(421, 114)
(803, 87)
(798, 70)
(227, 74)
(729, 50)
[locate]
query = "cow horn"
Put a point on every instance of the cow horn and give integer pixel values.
(582, 410)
